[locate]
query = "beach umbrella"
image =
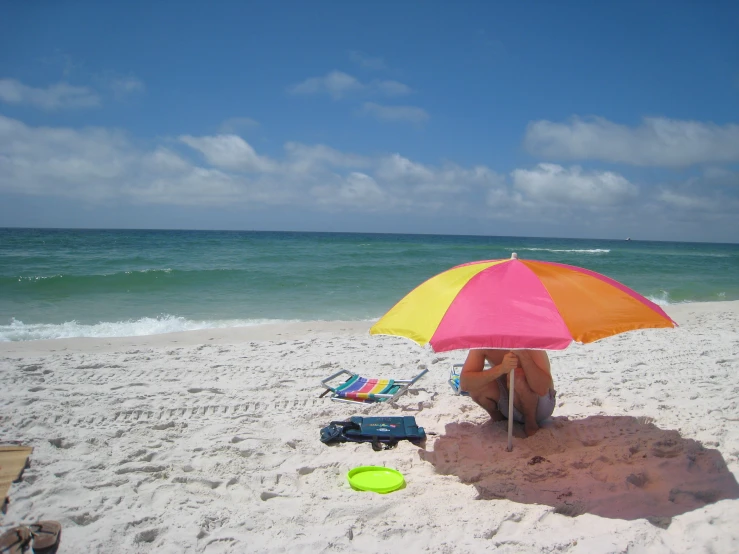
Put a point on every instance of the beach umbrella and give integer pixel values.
(518, 304)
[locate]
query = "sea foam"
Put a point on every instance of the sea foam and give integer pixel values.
(571, 250)
(19, 331)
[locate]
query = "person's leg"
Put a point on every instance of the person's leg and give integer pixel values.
(487, 397)
(526, 401)
(545, 409)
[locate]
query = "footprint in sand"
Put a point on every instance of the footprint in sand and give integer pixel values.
(571, 509)
(667, 448)
(147, 536)
(208, 483)
(589, 437)
(277, 485)
(85, 518)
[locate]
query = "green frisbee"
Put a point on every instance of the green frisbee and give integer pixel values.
(375, 479)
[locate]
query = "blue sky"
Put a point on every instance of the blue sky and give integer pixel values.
(563, 119)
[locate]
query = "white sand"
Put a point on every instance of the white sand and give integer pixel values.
(208, 442)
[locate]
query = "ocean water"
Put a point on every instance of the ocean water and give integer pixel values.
(57, 283)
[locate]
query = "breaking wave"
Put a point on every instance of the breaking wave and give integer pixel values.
(19, 331)
(570, 250)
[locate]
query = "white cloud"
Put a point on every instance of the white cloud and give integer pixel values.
(357, 189)
(687, 202)
(302, 158)
(338, 84)
(367, 62)
(101, 165)
(392, 88)
(195, 186)
(163, 160)
(505, 204)
(396, 168)
(555, 184)
(54, 97)
(94, 165)
(720, 176)
(60, 161)
(656, 142)
(411, 114)
(447, 183)
(126, 86)
(230, 152)
(335, 83)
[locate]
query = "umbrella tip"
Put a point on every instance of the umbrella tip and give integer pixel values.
(514, 256)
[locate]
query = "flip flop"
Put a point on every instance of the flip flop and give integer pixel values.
(46, 536)
(15, 540)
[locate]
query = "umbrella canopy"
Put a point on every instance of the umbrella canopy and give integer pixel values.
(521, 304)
(518, 304)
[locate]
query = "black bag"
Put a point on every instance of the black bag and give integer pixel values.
(382, 432)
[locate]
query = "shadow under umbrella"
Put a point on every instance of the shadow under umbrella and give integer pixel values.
(611, 466)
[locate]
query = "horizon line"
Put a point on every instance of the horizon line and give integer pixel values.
(627, 239)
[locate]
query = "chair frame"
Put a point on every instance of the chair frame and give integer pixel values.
(456, 371)
(404, 385)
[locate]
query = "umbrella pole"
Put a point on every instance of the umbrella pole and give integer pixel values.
(510, 413)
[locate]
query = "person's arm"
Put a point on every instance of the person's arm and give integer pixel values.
(535, 364)
(473, 377)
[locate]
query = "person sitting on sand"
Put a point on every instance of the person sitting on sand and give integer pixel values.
(533, 394)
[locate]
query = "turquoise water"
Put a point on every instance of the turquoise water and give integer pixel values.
(65, 283)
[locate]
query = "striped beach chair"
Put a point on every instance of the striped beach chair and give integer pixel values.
(356, 388)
